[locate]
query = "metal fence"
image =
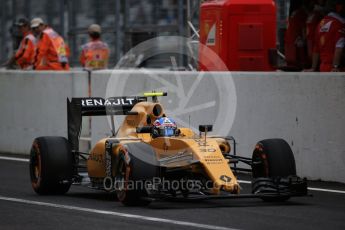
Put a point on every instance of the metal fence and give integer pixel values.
(125, 23)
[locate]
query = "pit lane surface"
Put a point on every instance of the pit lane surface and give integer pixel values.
(82, 208)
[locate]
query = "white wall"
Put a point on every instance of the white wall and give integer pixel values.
(34, 104)
(306, 109)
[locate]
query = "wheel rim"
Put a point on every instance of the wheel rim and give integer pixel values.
(259, 155)
(35, 165)
(122, 178)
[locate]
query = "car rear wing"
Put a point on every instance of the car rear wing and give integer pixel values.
(95, 106)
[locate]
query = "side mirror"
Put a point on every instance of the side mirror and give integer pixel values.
(205, 128)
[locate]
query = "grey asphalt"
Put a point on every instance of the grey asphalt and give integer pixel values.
(324, 210)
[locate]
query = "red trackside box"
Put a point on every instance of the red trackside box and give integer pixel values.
(241, 32)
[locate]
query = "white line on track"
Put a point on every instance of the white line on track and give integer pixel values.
(240, 181)
(118, 214)
(14, 159)
(326, 190)
(244, 181)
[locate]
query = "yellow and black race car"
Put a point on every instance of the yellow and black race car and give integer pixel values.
(150, 158)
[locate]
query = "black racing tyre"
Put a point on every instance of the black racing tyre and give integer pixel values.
(276, 157)
(51, 165)
(137, 163)
(272, 159)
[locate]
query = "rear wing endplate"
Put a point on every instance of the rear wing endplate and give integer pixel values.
(95, 106)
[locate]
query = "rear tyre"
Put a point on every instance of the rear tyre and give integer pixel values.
(272, 162)
(51, 165)
(137, 164)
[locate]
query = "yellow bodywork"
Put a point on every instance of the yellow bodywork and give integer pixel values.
(199, 154)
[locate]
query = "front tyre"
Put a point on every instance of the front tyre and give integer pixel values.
(273, 163)
(51, 165)
(137, 165)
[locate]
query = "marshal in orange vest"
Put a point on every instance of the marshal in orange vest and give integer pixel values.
(95, 54)
(51, 52)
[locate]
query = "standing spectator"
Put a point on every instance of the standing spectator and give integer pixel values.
(330, 39)
(295, 44)
(51, 51)
(95, 53)
(315, 16)
(24, 56)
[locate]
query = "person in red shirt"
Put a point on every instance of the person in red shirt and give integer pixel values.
(294, 43)
(315, 16)
(51, 51)
(95, 53)
(330, 39)
(24, 56)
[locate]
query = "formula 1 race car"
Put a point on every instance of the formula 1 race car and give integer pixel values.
(150, 158)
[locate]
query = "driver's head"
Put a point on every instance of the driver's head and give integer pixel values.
(164, 127)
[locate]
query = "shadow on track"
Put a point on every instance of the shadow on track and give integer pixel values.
(163, 204)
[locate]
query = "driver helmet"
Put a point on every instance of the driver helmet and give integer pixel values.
(164, 127)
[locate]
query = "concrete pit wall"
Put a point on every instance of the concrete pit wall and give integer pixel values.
(34, 104)
(306, 109)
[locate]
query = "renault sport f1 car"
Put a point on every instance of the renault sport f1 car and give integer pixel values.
(148, 157)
